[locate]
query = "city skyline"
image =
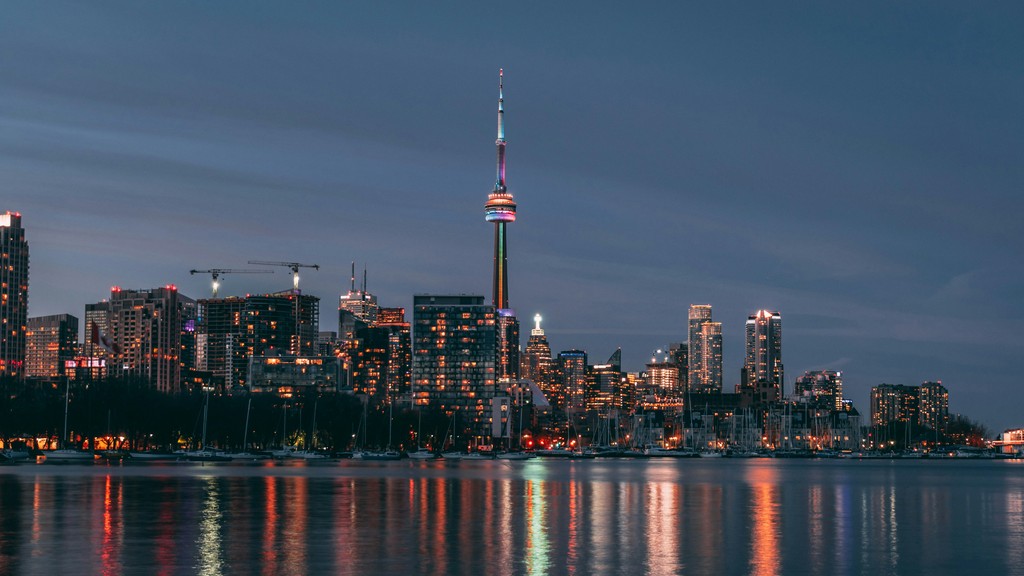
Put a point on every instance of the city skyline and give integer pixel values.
(891, 257)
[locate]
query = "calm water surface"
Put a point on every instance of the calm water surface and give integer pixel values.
(537, 517)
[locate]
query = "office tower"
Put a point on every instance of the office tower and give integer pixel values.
(13, 294)
(933, 406)
(454, 349)
(822, 388)
(705, 350)
(762, 365)
(145, 332)
(572, 372)
(51, 342)
(893, 403)
(357, 309)
(501, 210)
(536, 363)
(97, 320)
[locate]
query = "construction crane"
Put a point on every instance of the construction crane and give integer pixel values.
(216, 272)
(293, 265)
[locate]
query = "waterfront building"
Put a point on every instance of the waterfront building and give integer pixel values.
(145, 335)
(51, 343)
(933, 406)
(454, 350)
(500, 209)
(822, 388)
(894, 403)
(13, 295)
(762, 367)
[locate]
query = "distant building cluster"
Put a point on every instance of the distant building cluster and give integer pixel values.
(455, 353)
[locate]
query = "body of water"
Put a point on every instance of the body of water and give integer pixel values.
(697, 516)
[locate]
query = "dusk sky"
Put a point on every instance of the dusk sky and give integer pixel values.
(855, 166)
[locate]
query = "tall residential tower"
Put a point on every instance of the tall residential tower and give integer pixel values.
(13, 294)
(501, 209)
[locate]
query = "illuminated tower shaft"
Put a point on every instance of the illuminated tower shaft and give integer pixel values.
(500, 209)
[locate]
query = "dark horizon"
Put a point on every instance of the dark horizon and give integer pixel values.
(853, 167)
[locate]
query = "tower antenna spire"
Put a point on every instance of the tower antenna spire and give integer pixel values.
(353, 289)
(499, 185)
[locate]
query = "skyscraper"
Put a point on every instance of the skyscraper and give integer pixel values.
(572, 371)
(501, 209)
(763, 361)
(705, 351)
(13, 294)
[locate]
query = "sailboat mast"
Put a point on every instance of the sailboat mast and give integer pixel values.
(67, 391)
(245, 434)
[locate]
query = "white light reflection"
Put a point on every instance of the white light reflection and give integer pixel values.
(537, 545)
(209, 544)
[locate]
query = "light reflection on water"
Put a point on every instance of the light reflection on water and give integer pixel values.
(538, 517)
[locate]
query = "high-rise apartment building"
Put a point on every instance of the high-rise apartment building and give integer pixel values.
(822, 388)
(705, 351)
(894, 403)
(381, 357)
(762, 365)
(51, 342)
(13, 295)
(145, 327)
(230, 331)
(220, 340)
(454, 349)
(933, 406)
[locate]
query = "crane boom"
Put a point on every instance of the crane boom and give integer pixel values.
(216, 272)
(294, 266)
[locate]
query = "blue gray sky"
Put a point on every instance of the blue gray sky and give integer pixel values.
(855, 166)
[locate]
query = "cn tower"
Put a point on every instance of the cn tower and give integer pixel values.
(501, 209)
